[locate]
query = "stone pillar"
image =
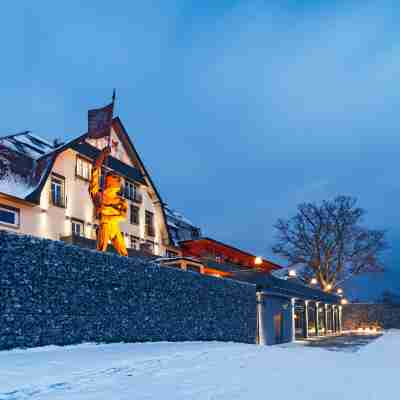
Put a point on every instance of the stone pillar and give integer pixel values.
(293, 313)
(326, 318)
(316, 319)
(305, 320)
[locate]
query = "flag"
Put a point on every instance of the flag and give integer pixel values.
(99, 121)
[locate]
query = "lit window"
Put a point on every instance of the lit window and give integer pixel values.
(83, 168)
(57, 190)
(77, 228)
(9, 216)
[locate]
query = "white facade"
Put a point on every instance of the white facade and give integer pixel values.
(75, 207)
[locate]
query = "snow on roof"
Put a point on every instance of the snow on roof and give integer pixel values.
(16, 186)
(28, 144)
(171, 224)
(40, 139)
(175, 214)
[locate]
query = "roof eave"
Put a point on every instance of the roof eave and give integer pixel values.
(16, 199)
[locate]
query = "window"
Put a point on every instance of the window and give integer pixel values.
(195, 233)
(57, 190)
(134, 242)
(149, 222)
(95, 229)
(174, 233)
(9, 216)
(77, 228)
(83, 168)
(134, 215)
(147, 247)
(129, 190)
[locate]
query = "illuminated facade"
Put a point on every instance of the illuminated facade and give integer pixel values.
(44, 190)
(286, 310)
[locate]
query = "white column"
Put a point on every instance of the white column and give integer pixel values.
(340, 318)
(316, 318)
(293, 307)
(305, 326)
(260, 320)
(326, 318)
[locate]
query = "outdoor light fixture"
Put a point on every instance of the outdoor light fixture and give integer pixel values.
(313, 281)
(344, 301)
(339, 291)
(292, 273)
(328, 286)
(258, 260)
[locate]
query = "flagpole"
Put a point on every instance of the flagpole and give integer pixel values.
(112, 112)
(109, 134)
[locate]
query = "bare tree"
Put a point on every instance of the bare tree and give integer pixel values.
(329, 242)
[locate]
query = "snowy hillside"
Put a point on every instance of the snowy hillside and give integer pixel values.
(191, 371)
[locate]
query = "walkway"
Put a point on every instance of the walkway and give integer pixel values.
(348, 342)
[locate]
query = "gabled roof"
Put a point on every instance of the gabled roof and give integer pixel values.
(126, 170)
(43, 155)
(196, 246)
(119, 127)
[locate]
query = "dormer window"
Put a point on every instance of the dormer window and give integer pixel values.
(57, 190)
(83, 168)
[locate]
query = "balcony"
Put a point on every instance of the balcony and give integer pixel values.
(145, 253)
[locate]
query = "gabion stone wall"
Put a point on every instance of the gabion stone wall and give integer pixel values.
(56, 293)
(359, 314)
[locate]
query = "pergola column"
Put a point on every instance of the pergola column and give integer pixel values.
(316, 318)
(260, 323)
(293, 311)
(333, 319)
(326, 318)
(340, 318)
(305, 325)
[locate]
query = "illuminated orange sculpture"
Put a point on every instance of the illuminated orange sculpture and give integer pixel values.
(110, 206)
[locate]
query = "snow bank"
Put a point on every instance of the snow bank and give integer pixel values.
(194, 371)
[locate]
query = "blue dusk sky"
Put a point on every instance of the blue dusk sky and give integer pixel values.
(240, 110)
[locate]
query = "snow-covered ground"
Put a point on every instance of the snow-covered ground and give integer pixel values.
(190, 371)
